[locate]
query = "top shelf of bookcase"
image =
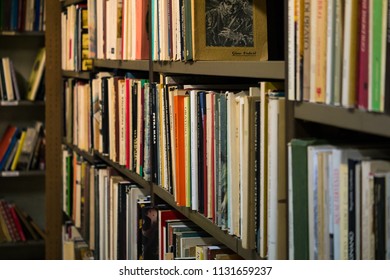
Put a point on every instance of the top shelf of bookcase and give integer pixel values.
(251, 69)
(353, 119)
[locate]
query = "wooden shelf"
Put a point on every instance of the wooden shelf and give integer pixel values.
(134, 177)
(28, 250)
(86, 155)
(353, 119)
(85, 75)
(230, 241)
(251, 69)
(136, 65)
(32, 173)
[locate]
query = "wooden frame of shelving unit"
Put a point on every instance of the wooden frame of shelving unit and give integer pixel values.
(53, 84)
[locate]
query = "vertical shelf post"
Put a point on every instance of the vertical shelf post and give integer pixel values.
(53, 112)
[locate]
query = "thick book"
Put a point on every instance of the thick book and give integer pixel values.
(350, 51)
(300, 196)
(229, 31)
(378, 31)
(28, 148)
(36, 74)
(6, 140)
(363, 53)
(380, 216)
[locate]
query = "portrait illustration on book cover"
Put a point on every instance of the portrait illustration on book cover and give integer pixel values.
(229, 23)
(230, 30)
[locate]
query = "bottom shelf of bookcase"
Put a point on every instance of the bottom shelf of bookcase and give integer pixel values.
(29, 250)
(230, 241)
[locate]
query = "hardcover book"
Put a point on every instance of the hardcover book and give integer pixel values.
(229, 30)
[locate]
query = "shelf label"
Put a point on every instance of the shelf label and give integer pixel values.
(10, 173)
(10, 103)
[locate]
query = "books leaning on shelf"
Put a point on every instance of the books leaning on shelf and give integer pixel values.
(16, 225)
(9, 89)
(20, 16)
(339, 201)
(339, 53)
(183, 30)
(22, 148)
(201, 143)
(75, 39)
(115, 219)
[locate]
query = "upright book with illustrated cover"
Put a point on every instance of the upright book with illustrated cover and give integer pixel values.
(229, 30)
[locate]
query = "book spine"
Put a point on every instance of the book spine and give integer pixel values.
(387, 78)
(351, 210)
(306, 49)
(321, 42)
(330, 49)
(105, 116)
(362, 88)
(154, 134)
(379, 16)
(194, 150)
(379, 216)
(291, 50)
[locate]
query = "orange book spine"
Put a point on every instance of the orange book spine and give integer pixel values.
(180, 150)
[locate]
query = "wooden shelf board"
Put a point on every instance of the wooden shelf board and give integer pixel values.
(136, 65)
(353, 119)
(134, 177)
(85, 75)
(86, 155)
(251, 69)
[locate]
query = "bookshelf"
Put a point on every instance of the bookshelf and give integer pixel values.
(353, 125)
(255, 71)
(26, 189)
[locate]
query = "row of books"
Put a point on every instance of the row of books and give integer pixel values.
(180, 30)
(22, 148)
(16, 225)
(13, 88)
(74, 246)
(116, 218)
(75, 39)
(339, 202)
(211, 149)
(338, 53)
(22, 15)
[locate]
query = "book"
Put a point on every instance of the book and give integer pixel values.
(277, 193)
(300, 196)
(6, 139)
(350, 51)
(377, 57)
(36, 75)
(363, 54)
(29, 144)
(229, 30)
(18, 151)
